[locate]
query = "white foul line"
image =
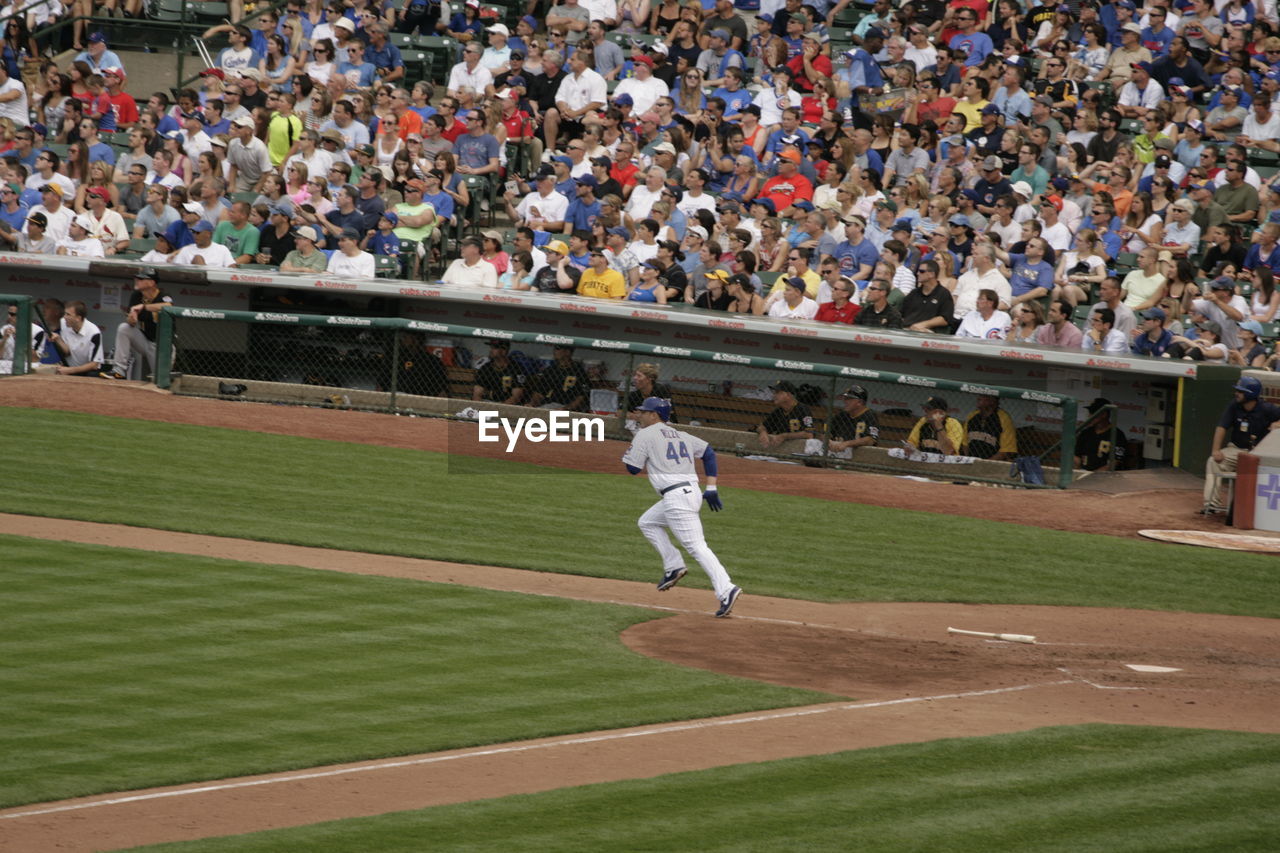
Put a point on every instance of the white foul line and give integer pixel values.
(506, 750)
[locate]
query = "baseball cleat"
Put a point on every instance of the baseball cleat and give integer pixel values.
(671, 578)
(726, 606)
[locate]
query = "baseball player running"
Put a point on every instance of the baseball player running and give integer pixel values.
(668, 453)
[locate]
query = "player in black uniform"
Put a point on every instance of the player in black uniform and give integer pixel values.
(1097, 446)
(791, 419)
(989, 431)
(856, 425)
(419, 371)
(500, 380)
(564, 381)
(137, 334)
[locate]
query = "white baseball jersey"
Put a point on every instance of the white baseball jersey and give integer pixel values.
(667, 453)
(995, 328)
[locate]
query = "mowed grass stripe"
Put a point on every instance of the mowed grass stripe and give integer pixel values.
(296, 668)
(1088, 788)
(393, 501)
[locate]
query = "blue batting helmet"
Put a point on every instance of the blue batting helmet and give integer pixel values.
(662, 407)
(1249, 386)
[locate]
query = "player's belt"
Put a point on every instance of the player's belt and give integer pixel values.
(676, 486)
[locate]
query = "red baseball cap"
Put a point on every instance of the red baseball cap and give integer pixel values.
(100, 192)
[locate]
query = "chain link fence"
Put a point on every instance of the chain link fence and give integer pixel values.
(413, 367)
(17, 335)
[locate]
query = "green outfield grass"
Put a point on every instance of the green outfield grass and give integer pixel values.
(393, 501)
(124, 669)
(1072, 789)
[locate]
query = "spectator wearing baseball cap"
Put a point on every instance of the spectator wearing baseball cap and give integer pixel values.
(350, 261)
(96, 53)
(1152, 338)
(794, 304)
(790, 419)
(788, 186)
(937, 432)
(204, 252)
(305, 257)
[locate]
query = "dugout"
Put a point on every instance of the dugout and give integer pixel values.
(1166, 407)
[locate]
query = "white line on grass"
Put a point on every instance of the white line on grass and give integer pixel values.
(507, 750)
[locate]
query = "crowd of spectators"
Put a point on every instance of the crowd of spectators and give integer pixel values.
(1079, 175)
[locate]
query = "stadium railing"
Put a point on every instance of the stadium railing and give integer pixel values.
(22, 334)
(356, 362)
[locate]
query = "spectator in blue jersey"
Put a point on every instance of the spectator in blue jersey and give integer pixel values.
(731, 92)
(1031, 276)
(384, 56)
(1151, 337)
(788, 135)
(857, 255)
(584, 208)
(970, 39)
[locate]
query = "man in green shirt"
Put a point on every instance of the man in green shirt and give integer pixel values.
(417, 217)
(235, 232)
(306, 257)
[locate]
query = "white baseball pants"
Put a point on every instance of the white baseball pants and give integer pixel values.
(677, 511)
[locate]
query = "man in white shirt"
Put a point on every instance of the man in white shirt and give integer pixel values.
(983, 275)
(196, 140)
(694, 199)
(1101, 337)
(794, 305)
(1262, 127)
(985, 321)
(13, 99)
(46, 172)
(79, 243)
(469, 72)
(471, 269)
(1141, 94)
(543, 209)
(581, 91)
(771, 102)
(204, 252)
(644, 88)
(309, 154)
(79, 341)
(57, 214)
(644, 195)
(349, 260)
(1054, 232)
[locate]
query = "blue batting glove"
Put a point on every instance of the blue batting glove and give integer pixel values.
(712, 497)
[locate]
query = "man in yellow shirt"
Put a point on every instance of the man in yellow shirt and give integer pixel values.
(973, 97)
(599, 281)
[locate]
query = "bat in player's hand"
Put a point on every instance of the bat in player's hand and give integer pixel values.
(37, 314)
